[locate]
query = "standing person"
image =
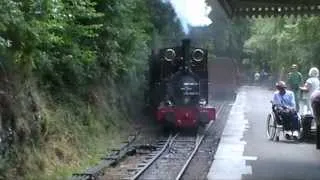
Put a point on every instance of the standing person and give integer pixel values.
(262, 76)
(295, 81)
(312, 84)
(315, 103)
(256, 77)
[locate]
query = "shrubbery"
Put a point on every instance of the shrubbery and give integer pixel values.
(71, 74)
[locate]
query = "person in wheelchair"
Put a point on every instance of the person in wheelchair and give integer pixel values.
(284, 107)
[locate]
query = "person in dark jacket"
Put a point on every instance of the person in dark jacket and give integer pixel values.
(315, 104)
(295, 81)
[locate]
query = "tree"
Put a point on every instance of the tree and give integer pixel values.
(283, 41)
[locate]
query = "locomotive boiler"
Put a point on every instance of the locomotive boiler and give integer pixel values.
(178, 88)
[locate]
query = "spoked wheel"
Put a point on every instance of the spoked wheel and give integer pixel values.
(271, 127)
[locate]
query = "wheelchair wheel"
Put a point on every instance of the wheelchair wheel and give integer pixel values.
(271, 127)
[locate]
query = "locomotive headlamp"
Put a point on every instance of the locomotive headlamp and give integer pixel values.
(186, 100)
(202, 102)
(169, 55)
(168, 103)
(197, 55)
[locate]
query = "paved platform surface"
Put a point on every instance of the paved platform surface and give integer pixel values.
(244, 151)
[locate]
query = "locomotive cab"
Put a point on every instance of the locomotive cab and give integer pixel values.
(181, 92)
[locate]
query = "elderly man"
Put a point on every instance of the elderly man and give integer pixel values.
(315, 103)
(295, 81)
(286, 100)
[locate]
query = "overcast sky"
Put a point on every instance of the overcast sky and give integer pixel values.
(191, 12)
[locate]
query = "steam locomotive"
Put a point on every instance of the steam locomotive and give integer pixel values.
(178, 86)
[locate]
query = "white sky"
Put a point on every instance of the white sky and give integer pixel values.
(191, 12)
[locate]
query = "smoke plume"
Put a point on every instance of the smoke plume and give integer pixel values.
(191, 12)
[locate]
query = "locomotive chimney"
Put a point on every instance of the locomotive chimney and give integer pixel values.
(186, 54)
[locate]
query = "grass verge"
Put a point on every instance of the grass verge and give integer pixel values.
(72, 135)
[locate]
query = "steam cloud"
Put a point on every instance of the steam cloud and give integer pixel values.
(191, 12)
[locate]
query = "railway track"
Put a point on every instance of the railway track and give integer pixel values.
(95, 172)
(167, 158)
(173, 158)
(199, 166)
(170, 158)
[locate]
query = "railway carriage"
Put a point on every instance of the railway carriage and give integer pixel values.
(224, 78)
(178, 88)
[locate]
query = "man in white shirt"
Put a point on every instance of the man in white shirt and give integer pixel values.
(256, 77)
(286, 99)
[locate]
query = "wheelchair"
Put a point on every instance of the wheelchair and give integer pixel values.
(275, 124)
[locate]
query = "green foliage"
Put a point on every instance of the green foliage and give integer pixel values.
(224, 37)
(166, 24)
(283, 41)
(72, 50)
(77, 42)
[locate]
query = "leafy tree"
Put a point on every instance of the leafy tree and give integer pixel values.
(283, 41)
(71, 47)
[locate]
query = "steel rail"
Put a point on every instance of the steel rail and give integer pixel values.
(168, 144)
(171, 139)
(97, 170)
(198, 143)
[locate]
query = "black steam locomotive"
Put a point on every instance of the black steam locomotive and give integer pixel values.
(178, 86)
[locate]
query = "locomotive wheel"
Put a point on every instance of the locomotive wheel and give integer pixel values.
(271, 127)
